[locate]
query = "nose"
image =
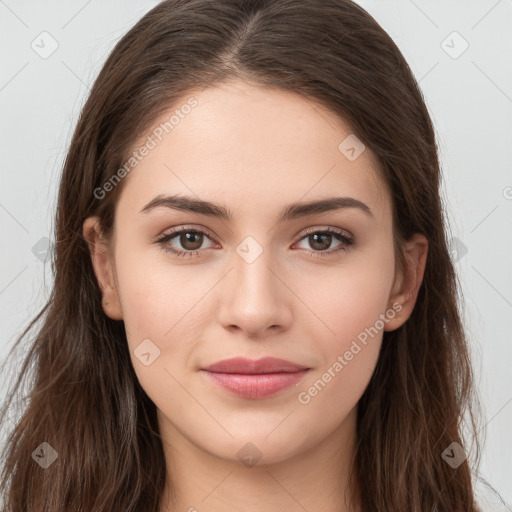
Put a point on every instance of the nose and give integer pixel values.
(254, 297)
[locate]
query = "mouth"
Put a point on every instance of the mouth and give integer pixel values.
(255, 379)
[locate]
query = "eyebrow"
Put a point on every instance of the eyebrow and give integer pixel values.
(290, 212)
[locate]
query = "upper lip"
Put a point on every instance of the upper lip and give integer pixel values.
(249, 366)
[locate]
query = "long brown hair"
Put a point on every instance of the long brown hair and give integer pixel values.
(84, 399)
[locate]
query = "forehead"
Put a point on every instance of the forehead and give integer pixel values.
(253, 149)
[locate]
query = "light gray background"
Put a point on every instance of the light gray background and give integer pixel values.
(469, 96)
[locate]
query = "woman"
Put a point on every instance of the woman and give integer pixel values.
(254, 305)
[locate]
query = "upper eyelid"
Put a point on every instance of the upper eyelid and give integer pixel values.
(186, 229)
(341, 231)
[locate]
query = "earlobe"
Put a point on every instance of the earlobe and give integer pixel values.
(406, 288)
(101, 259)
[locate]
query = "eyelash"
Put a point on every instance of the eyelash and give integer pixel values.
(346, 240)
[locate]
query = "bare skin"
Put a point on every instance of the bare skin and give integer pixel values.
(306, 300)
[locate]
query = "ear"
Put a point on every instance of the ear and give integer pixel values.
(406, 285)
(102, 262)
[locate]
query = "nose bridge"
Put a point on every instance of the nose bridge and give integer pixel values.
(255, 298)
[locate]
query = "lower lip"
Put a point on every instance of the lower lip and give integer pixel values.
(255, 386)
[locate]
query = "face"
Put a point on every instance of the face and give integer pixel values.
(315, 287)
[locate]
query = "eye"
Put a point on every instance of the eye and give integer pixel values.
(321, 240)
(191, 241)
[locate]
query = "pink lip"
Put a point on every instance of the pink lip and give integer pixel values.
(255, 379)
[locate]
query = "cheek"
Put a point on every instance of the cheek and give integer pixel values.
(330, 394)
(159, 315)
(154, 294)
(165, 304)
(350, 306)
(346, 300)
(349, 353)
